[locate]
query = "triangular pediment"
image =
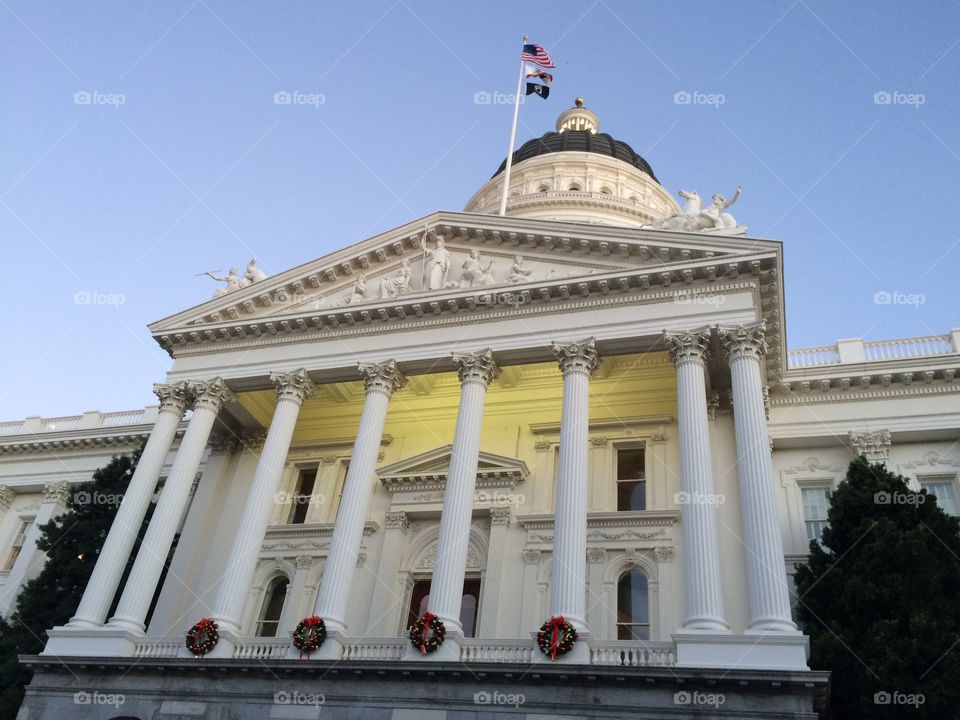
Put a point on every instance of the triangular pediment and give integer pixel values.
(432, 467)
(481, 261)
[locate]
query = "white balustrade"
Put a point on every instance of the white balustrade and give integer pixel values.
(262, 648)
(908, 348)
(497, 651)
(633, 653)
(157, 648)
(375, 649)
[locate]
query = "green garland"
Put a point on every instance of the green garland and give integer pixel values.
(203, 637)
(421, 640)
(310, 634)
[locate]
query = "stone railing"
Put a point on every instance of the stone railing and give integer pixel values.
(262, 648)
(859, 351)
(633, 653)
(147, 648)
(87, 421)
(375, 649)
(497, 651)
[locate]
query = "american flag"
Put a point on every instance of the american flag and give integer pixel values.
(537, 55)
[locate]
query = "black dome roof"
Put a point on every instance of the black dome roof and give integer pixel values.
(579, 141)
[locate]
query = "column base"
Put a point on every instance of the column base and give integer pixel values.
(578, 655)
(331, 649)
(102, 641)
(224, 650)
(448, 652)
(772, 651)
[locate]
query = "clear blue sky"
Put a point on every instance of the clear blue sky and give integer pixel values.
(199, 169)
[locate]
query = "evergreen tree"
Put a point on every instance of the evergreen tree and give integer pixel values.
(880, 600)
(72, 543)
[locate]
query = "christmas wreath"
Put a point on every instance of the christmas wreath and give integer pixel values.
(310, 634)
(556, 637)
(427, 641)
(203, 637)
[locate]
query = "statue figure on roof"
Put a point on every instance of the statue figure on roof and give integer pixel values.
(233, 281)
(253, 273)
(474, 273)
(436, 264)
(694, 218)
(391, 287)
(519, 273)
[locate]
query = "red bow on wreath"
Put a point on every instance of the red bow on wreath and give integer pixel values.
(428, 617)
(555, 624)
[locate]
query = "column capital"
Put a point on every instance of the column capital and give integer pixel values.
(296, 385)
(577, 356)
(596, 555)
(212, 394)
(7, 494)
(531, 556)
(174, 397)
(478, 366)
(875, 446)
(744, 340)
(689, 346)
(304, 562)
(500, 515)
(397, 521)
(381, 377)
(56, 492)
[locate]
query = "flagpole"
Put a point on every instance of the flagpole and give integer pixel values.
(513, 135)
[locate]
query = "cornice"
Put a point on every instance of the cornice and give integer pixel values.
(553, 428)
(646, 518)
(850, 388)
(311, 530)
(58, 442)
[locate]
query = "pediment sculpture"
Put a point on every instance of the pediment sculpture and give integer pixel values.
(234, 281)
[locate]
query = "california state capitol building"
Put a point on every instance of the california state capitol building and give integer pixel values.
(584, 408)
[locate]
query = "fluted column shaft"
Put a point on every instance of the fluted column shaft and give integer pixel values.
(292, 390)
(477, 370)
(568, 583)
(701, 553)
(380, 382)
(766, 574)
(102, 586)
(141, 584)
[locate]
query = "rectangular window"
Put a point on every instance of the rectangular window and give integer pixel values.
(631, 479)
(302, 497)
(18, 543)
(816, 502)
(945, 491)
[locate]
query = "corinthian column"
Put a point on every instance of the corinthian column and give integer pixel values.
(141, 584)
(292, 389)
(701, 554)
(102, 586)
(379, 382)
(568, 586)
(477, 371)
(766, 575)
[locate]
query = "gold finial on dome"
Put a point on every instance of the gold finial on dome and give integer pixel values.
(579, 119)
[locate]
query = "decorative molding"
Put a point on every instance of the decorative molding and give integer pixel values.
(875, 446)
(361, 559)
(381, 377)
(72, 441)
(476, 367)
(611, 423)
(713, 405)
(542, 445)
(428, 558)
(303, 562)
(691, 346)
(599, 442)
(56, 492)
(579, 357)
(296, 386)
(313, 536)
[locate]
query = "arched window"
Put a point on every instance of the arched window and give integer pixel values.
(272, 607)
(543, 188)
(606, 191)
(575, 187)
(633, 606)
